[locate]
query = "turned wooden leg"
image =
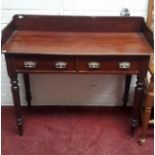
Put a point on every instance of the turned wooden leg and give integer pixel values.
(138, 99)
(147, 110)
(147, 114)
(16, 99)
(27, 89)
(126, 90)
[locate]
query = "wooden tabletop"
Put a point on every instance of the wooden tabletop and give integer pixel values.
(78, 43)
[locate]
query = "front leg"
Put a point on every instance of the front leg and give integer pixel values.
(138, 99)
(16, 100)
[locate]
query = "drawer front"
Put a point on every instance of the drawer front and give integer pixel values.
(109, 64)
(45, 63)
(81, 64)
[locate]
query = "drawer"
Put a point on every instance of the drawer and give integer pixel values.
(45, 63)
(109, 64)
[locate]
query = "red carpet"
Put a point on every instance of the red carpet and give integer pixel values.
(72, 131)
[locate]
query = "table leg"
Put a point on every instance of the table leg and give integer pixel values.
(138, 99)
(126, 90)
(16, 99)
(27, 89)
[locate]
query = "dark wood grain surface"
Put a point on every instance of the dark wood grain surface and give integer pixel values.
(81, 43)
(78, 23)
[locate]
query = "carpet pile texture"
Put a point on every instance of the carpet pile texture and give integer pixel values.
(72, 131)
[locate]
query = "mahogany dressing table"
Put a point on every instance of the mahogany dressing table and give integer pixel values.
(77, 45)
